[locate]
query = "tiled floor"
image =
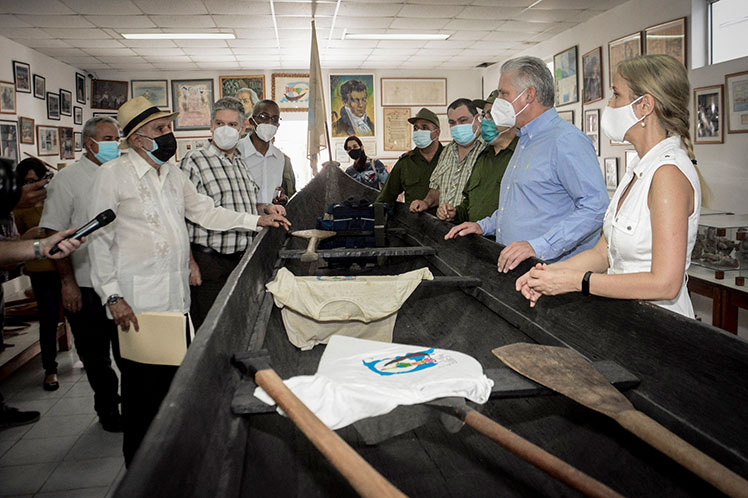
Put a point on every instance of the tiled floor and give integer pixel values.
(66, 453)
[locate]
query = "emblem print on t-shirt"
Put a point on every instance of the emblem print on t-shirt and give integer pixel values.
(408, 363)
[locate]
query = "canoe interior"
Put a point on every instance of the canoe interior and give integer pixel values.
(691, 381)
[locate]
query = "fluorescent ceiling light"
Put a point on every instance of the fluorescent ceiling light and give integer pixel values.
(178, 36)
(394, 36)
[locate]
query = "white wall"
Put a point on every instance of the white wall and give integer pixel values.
(724, 166)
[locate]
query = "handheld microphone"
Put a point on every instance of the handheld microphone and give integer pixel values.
(102, 219)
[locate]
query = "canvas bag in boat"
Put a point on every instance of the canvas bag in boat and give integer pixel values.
(354, 221)
(357, 379)
(315, 308)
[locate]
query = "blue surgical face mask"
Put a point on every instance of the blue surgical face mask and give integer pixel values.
(422, 138)
(463, 134)
(107, 151)
(488, 130)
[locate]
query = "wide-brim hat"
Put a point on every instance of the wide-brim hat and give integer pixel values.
(481, 104)
(426, 114)
(136, 112)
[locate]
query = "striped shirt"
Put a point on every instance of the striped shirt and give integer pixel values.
(230, 185)
(451, 174)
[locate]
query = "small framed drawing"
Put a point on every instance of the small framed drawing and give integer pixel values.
(629, 156)
(193, 100)
(707, 106)
(40, 87)
(668, 38)
(396, 129)
(53, 106)
(413, 92)
(47, 140)
(156, 91)
(77, 115)
(9, 140)
(611, 173)
(249, 89)
(291, 91)
(592, 75)
(621, 49)
(80, 88)
(108, 94)
(22, 77)
(7, 97)
(591, 127)
(78, 138)
(736, 88)
(567, 116)
(187, 144)
(26, 127)
(566, 81)
(67, 143)
(66, 103)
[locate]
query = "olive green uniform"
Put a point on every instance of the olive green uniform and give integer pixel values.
(410, 174)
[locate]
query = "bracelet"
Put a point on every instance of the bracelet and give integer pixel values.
(586, 284)
(38, 249)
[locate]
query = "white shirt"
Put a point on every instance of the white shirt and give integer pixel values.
(629, 233)
(68, 197)
(266, 171)
(143, 255)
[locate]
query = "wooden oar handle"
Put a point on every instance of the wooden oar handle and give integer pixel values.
(310, 254)
(537, 456)
(694, 460)
(363, 477)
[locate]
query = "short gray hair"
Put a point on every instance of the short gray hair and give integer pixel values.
(532, 71)
(89, 129)
(229, 104)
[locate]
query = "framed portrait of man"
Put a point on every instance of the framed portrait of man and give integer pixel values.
(67, 143)
(352, 105)
(566, 79)
(53, 106)
(592, 75)
(708, 109)
(26, 126)
(40, 87)
(77, 115)
(249, 89)
(7, 97)
(66, 103)
(108, 94)
(193, 100)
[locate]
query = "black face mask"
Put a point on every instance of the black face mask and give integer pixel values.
(10, 187)
(166, 147)
(359, 156)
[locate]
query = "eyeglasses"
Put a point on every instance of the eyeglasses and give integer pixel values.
(267, 118)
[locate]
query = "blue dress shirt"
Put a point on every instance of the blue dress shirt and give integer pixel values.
(553, 194)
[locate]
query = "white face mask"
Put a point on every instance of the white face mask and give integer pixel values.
(503, 113)
(225, 137)
(617, 120)
(266, 131)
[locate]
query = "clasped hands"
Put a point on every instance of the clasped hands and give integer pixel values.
(543, 280)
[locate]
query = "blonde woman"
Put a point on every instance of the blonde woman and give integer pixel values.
(650, 226)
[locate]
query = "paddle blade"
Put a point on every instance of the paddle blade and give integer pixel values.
(566, 372)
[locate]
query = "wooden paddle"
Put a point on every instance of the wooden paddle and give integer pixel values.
(568, 373)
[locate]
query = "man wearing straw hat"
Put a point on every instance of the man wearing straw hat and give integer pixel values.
(140, 262)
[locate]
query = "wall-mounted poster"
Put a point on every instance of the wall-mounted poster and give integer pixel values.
(108, 94)
(67, 143)
(193, 100)
(621, 49)
(7, 97)
(397, 130)
(22, 76)
(707, 103)
(352, 104)
(291, 91)
(591, 127)
(592, 75)
(66, 103)
(187, 144)
(566, 80)
(78, 138)
(667, 38)
(80, 88)
(47, 140)
(611, 173)
(26, 130)
(40, 87)
(736, 88)
(413, 92)
(9, 140)
(53, 106)
(249, 89)
(156, 91)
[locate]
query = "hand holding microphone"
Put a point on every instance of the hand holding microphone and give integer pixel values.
(101, 220)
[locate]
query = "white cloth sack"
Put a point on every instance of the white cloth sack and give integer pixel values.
(357, 379)
(316, 308)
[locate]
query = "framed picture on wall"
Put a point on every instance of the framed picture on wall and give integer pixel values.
(621, 49)
(26, 130)
(156, 91)
(592, 76)
(249, 89)
(352, 105)
(108, 94)
(567, 116)
(291, 91)
(53, 106)
(78, 138)
(193, 100)
(77, 115)
(187, 144)
(67, 143)
(396, 129)
(9, 140)
(40, 87)
(47, 141)
(22, 77)
(66, 103)
(591, 127)
(80, 88)
(736, 88)
(611, 173)
(708, 109)
(7, 97)
(445, 134)
(668, 38)
(413, 92)
(566, 81)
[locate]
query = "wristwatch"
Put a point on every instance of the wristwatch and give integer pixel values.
(113, 299)
(38, 249)
(586, 283)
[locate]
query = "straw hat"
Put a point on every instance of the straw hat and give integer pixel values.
(136, 112)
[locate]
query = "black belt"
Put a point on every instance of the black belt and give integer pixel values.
(213, 252)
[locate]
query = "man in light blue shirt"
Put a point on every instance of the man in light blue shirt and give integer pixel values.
(553, 196)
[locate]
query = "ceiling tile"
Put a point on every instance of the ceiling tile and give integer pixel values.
(104, 7)
(172, 7)
(508, 36)
(84, 44)
(138, 22)
(97, 52)
(62, 52)
(304, 23)
(404, 44)
(76, 61)
(42, 43)
(215, 65)
(158, 51)
(115, 59)
(234, 7)
(249, 44)
(409, 23)
(565, 4)
(25, 33)
(57, 21)
(259, 46)
(201, 43)
(87, 33)
(556, 15)
(10, 21)
(421, 11)
(472, 25)
(255, 33)
(194, 21)
(244, 21)
(525, 27)
(491, 13)
(209, 51)
(503, 3)
(348, 43)
(448, 43)
(35, 7)
(167, 58)
(349, 9)
(148, 43)
(362, 22)
(468, 35)
(495, 45)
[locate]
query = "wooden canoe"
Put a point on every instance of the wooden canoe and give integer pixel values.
(692, 381)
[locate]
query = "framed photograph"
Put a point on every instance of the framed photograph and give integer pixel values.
(187, 144)
(67, 143)
(249, 89)
(22, 77)
(566, 81)
(567, 116)
(47, 140)
(26, 127)
(9, 140)
(66, 103)
(80, 88)
(53, 106)
(445, 135)
(7, 97)
(708, 105)
(592, 76)
(40, 87)
(396, 129)
(77, 115)
(291, 91)
(736, 87)
(193, 100)
(413, 92)
(611, 173)
(592, 128)
(668, 38)
(78, 139)
(621, 49)
(629, 156)
(352, 105)
(108, 94)
(112, 115)
(156, 91)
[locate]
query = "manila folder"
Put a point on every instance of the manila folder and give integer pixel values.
(161, 340)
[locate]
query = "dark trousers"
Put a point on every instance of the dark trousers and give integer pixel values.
(215, 270)
(46, 286)
(94, 333)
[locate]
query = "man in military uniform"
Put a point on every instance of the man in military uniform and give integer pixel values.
(412, 172)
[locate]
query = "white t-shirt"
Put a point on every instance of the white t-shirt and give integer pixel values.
(266, 171)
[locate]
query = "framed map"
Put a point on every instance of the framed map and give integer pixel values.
(412, 92)
(668, 39)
